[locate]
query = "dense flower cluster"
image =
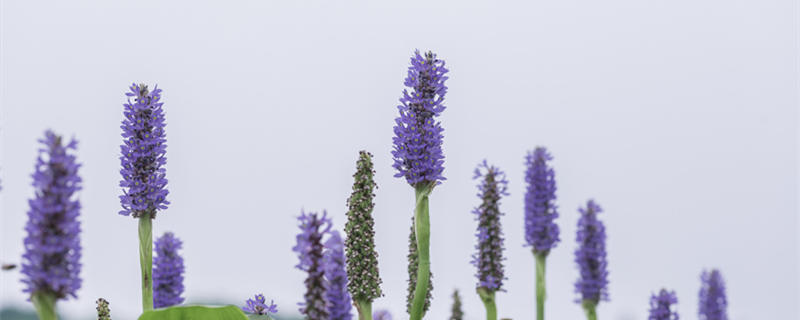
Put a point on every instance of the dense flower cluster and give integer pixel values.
(418, 136)
(51, 261)
(541, 231)
(489, 258)
(103, 311)
(167, 272)
(413, 266)
(258, 305)
(362, 258)
(339, 303)
(591, 255)
(309, 248)
(661, 306)
(713, 303)
(143, 154)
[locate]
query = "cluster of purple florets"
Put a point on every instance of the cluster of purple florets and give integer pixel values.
(51, 262)
(418, 135)
(339, 302)
(541, 231)
(143, 153)
(713, 302)
(661, 306)
(167, 272)
(591, 255)
(489, 258)
(258, 305)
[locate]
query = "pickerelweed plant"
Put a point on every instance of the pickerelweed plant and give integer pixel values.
(592, 285)
(143, 173)
(418, 156)
(167, 272)
(661, 306)
(541, 231)
(489, 258)
(51, 262)
(713, 302)
(310, 251)
(362, 258)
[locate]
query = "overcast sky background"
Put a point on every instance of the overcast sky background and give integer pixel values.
(679, 117)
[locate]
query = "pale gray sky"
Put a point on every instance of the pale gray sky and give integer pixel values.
(678, 117)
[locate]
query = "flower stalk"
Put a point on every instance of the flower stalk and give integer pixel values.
(45, 305)
(487, 297)
(422, 232)
(541, 295)
(146, 259)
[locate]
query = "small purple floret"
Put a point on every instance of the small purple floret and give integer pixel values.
(541, 231)
(259, 306)
(661, 306)
(167, 272)
(591, 255)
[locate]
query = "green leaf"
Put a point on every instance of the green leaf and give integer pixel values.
(195, 313)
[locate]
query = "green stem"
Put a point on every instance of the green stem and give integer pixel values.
(45, 305)
(364, 310)
(589, 307)
(540, 284)
(422, 227)
(146, 259)
(488, 301)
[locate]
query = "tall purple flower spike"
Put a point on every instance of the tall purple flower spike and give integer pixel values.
(339, 302)
(51, 261)
(489, 258)
(541, 231)
(591, 255)
(661, 306)
(259, 306)
(143, 154)
(713, 302)
(167, 272)
(309, 248)
(418, 136)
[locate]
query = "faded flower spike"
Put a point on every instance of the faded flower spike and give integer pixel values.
(661, 306)
(418, 136)
(51, 262)
(591, 259)
(309, 249)
(259, 306)
(167, 272)
(143, 154)
(413, 264)
(489, 258)
(455, 311)
(362, 259)
(103, 311)
(336, 276)
(713, 302)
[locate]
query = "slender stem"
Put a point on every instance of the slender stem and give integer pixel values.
(487, 297)
(364, 310)
(45, 305)
(146, 259)
(540, 284)
(590, 308)
(422, 227)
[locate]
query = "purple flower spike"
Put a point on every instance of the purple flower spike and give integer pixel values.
(418, 136)
(713, 303)
(259, 306)
(541, 231)
(51, 262)
(489, 258)
(143, 154)
(309, 249)
(339, 303)
(591, 256)
(167, 272)
(661, 306)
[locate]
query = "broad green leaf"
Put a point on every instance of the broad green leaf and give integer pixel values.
(195, 313)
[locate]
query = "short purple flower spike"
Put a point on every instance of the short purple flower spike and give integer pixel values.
(541, 231)
(489, 258)
(418, 136)
(51, 262)
(713, 303)
(661, 306)
(143, 154)
(167, 272)
(591, 255)
(339, 303)
(309, 249)
(259, 306)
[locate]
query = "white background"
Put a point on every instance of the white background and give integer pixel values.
(679, 117)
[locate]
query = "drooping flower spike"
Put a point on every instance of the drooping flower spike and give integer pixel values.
(592, 285)
(661, 306)
(51, 261)
(309, 249)
(713, 302)
(339, 302)
(167, 272)
(258, 305)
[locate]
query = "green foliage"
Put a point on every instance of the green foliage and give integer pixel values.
(197, 313)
